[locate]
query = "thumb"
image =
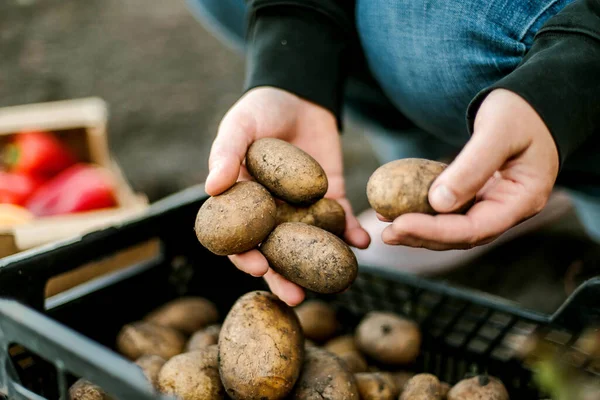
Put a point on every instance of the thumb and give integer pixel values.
(234, 136)
(482, 156)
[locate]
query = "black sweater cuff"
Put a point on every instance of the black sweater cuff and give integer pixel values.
(300, 51)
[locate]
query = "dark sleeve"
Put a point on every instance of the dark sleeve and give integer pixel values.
(300, 46)
(560, 76)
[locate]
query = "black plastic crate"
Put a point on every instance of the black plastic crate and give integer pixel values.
(47, 343)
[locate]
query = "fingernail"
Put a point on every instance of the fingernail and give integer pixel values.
(443, 198)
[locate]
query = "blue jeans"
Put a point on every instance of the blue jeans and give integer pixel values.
(424, 60)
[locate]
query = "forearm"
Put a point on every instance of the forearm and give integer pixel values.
(301, 46)
(560, 77)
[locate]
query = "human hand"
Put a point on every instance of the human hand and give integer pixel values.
(271, 112)
(510, 164)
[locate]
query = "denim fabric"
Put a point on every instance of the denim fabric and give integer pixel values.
(428, 58)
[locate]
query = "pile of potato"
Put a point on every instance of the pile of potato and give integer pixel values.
(284, 214)
(266, 350)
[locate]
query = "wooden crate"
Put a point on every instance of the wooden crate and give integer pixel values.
(82, 125)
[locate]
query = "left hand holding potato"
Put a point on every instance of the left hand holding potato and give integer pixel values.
(510, 164)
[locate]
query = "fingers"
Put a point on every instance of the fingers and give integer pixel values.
(255, 264)
(251, 262)
(288, 292)
(503, 207)
(235, 134)
(498, 137)
(355, 235)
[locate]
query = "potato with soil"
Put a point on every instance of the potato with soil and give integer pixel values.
(185, 314)
(85, 390)
(317, 319)
(237, 220)
(422, 387)
(150, 366)
(375, 386)
(400, 378)
(324, 377)
(326, 214)
(286, 171)
(261, 348)
(402, 186)
(144, 338)
(354, 361)
(310, 257)
(193, 376)
(341, 344)
(388, 338)
(479, 387)
(204, 338)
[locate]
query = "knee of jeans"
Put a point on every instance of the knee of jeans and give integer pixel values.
(432, 56)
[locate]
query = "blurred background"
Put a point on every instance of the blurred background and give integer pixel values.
(168, 82)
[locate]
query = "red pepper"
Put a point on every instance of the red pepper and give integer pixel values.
(16, 188)
(37, 153)
(82, 187)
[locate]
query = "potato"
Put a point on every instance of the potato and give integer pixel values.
(193, 376)
(402, 186)
(341, 344)
(375, 386)
(185, 314)
(144, 338)
(85, 390)
(479, 387)
(237, 220)
(317, 319)
(287, 171)
(444, 389)
(204, 338)
(151, 366)
(388, 338)
(310, 257)
(261, 348)
(326, 214)
(400, 378)
(354, 361)
(422, 387)
(324, 377)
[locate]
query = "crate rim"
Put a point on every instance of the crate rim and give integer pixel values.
(195, 195)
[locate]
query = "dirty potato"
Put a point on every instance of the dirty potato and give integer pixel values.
(310, 257)
(324, 377)
(400, 378)
(341, 344)
(237, 220)
(479, 387)
(85, 390)
(204, 338)
(375, 386)
(402, 186)
(422, 387)
(354, 361)
(388, 338)
(185, 314)
(317, 319)
(326, 214)
(286, 171)
(193, 376)
(144, 338)
(261, 348)
(151, 365)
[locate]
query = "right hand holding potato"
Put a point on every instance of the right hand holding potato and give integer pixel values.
(270, 112)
